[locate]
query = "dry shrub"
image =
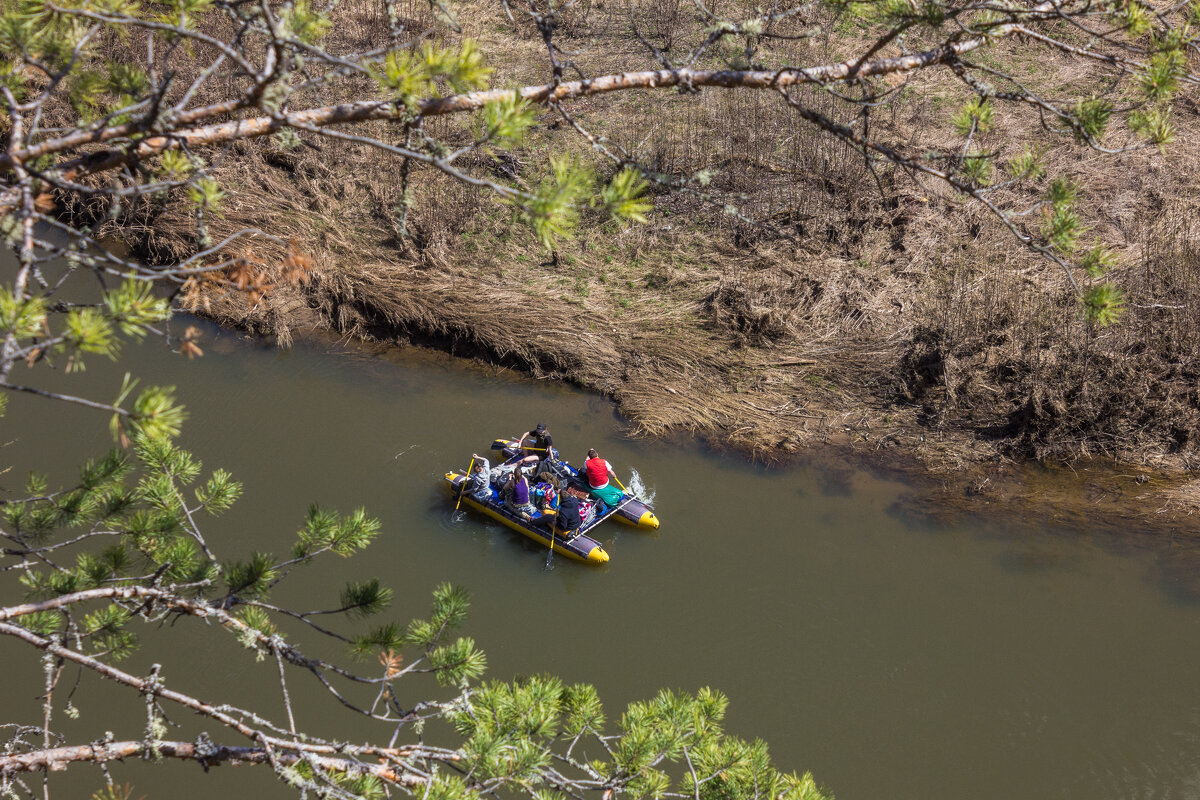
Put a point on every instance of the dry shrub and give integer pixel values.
(457, 311)
(876, 305)
(581, 20)
(660, 22)
(763, 306)
(1020, 365)
(363, 24)
(577, 19)
(444, 209)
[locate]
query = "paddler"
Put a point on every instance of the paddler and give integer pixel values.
(479, 481)
(598, 471)
(540, 449)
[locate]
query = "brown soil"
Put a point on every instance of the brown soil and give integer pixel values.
(903, 325)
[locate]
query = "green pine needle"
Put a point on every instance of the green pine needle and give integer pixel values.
(977, 169)
(43, 623)
(978, 113)
(1026, 166)
(251, 579)
(1098, 261)
(207, 194)
(1154, 126)
(1062, 192)
(304, 23)
(505, 121)
(259, 619)
(1062, 227)
(364, 599)
(385, 637)
(553, 209)
(84, 90)
(457, 662)
(1104, 304)
(156, 414)
(1091, 119)
(625, 196)
(450, 606)
(219, 493)
(96, 473)
(134, 308)
(126, 79)
(582, 709)
(90, 331)
(175, 165)
(1162, 75)
(21, 318)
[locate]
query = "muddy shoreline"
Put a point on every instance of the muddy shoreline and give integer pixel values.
(905, 330)
(803, 303)
(1119, 505)
(911, 332)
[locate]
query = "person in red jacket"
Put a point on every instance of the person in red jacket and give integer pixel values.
(598, 471)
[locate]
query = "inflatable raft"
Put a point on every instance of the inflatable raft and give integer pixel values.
(577, 545)
(630, 510)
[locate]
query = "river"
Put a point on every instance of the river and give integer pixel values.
(893, 657)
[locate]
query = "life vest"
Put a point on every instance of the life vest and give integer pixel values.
(597, 472)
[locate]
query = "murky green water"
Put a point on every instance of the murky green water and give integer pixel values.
(891, 659)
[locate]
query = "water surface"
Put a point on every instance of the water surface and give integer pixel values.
(892, 658)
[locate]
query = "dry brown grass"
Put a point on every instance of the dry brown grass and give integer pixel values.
(906, 319)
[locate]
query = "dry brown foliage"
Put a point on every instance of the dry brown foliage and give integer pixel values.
(837, 304)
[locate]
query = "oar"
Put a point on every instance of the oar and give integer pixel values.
(464, 486)
(553, 529)
(523, 447)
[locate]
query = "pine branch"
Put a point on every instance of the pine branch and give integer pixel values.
(56, 759)
(223, 714)
(362, 111)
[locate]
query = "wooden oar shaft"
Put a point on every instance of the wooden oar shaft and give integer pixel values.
(466, 478)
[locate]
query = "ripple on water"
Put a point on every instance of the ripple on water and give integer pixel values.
(1167, 771)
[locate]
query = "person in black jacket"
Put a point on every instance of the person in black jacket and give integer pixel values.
(568, 518)
(540, 449)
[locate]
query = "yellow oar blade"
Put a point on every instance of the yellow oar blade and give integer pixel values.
(466, 478)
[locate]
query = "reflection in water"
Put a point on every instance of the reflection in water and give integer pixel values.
(1172, 772)
(892, 658)
(1034, 558)
(836, 480)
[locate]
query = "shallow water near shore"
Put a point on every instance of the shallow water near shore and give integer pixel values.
(890, 656)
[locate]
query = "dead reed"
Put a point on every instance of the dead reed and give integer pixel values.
(836, 302)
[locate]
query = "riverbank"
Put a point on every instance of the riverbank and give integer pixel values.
(882, 316)
(953, 476)
(965, 376)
